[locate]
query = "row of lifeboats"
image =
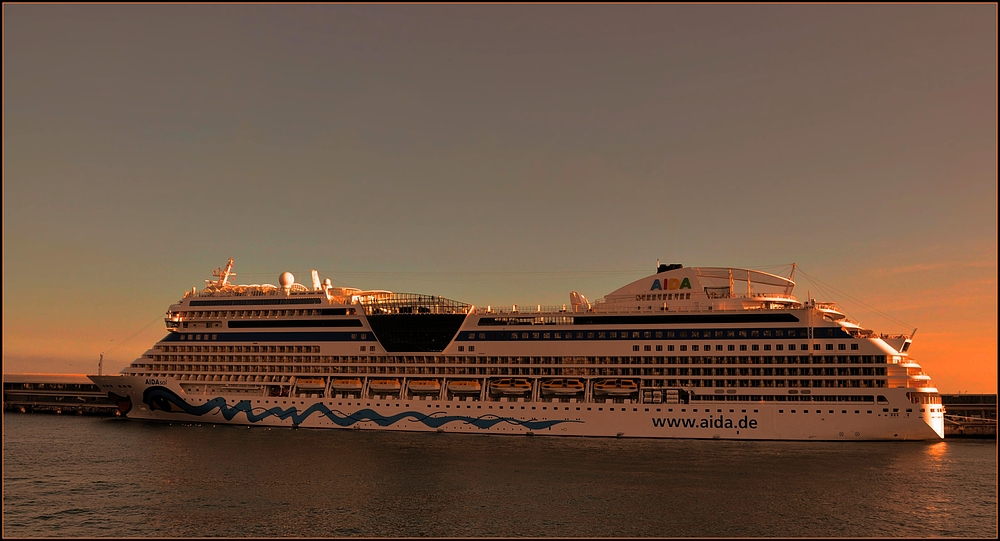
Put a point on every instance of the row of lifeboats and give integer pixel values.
(499, 387)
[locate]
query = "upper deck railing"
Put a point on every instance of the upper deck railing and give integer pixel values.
(250, 290)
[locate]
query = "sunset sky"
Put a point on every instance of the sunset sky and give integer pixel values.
(497, 154)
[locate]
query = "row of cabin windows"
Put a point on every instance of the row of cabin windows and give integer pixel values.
(450, 359)
(660, 409)
(635, 347)
(719, 334)
(743, 347)
(250, 365)
(199, 337)
(251, 313)
(240, 349)
(731, 398)
(495, 371)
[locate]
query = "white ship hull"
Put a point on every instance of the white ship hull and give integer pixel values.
(165, 400)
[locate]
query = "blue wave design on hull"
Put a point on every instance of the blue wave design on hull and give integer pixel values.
(163, 399)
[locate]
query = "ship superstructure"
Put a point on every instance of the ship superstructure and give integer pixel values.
(724, 353)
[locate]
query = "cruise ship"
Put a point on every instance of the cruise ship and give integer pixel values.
(686, 352)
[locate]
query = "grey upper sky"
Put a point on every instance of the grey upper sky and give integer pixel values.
(492, 154)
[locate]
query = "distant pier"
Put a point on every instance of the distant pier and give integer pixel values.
(66, 394)
(970, 415)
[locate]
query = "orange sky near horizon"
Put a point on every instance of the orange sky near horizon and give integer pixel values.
(955, 342)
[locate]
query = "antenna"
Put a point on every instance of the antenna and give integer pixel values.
(791, 278)
(224, 274)
(100, 364)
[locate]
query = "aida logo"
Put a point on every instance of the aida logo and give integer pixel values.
(672, 283)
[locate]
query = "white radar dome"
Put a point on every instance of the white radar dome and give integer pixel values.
(286, 279)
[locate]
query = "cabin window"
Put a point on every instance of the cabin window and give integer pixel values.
(854, 347)
(635, 348)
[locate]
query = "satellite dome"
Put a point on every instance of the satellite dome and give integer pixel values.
(286, 279)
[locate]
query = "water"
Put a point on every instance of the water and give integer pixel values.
(103, 477)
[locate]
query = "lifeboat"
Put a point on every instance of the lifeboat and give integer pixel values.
(346, 385)
(311, 384)
(562, 387)
(510, 386)
(465, 386)
(384, 385)
(615, 387)
(425, 386)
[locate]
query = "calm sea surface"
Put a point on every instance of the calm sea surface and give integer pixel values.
(70, 476)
